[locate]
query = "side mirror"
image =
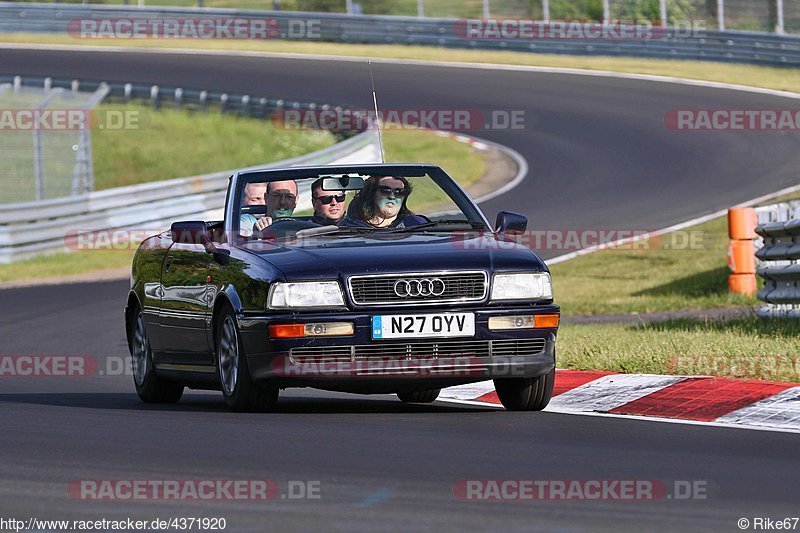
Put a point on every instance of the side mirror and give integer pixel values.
(193, 232)
(510, 223)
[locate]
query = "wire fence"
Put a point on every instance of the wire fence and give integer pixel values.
(46, 142)
(754, 15)
(45, 156)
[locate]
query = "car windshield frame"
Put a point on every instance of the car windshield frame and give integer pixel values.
(450, 187)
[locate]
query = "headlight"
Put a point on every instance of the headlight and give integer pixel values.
(523, 286)
(305, 294)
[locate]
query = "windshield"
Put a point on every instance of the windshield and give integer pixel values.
(270, 206)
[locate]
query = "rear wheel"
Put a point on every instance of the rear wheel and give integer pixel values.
(240, 392)
(149, 387)
(526, 394)
(421, 396)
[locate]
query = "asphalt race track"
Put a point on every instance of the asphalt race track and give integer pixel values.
(600, 157)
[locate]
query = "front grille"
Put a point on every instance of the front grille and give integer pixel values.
(458, 287)
(323, 354)
(517, 347)
(421, 351)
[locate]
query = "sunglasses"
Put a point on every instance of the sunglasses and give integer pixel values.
(388, 191)
(328, 198)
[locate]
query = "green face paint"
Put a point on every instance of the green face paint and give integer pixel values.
(278, 213)
(384, 201)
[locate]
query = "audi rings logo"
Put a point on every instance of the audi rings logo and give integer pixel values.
(412, 288)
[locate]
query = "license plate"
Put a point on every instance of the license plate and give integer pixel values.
(427, 325)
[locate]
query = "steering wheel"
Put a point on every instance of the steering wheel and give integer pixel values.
(283, 227)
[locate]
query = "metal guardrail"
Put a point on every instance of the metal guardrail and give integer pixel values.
(247, 105)
(729, 46)
(779, 258)
(31, 228)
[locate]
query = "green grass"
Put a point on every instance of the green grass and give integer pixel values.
(743, 348)
(458, 159)
(172, 143)
(66, 264)
(665, 276)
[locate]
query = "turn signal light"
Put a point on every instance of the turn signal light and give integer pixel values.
(318, 329)
(287, 331)
(546, 321)
(523, 322)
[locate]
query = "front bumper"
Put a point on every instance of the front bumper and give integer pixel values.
(364, 365)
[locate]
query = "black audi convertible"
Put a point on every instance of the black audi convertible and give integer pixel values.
(365, 279)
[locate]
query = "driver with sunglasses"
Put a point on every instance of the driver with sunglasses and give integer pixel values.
(382, 204)
(328, 205)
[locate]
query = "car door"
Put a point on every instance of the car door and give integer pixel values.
(186, 305)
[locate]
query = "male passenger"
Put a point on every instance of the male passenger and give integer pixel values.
(328, 205)
(254, 194)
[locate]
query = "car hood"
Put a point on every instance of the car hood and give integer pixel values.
(343, 256)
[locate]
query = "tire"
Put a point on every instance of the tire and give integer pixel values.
(240, 392)
(420, 396)
(149, 387)
(526, 394)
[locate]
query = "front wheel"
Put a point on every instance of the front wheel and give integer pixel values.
(149, 387)
(420, 396)
(240, 392)
(526, 394)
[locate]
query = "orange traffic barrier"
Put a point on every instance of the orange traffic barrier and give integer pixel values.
(742, 284)
(742, 222)
(742, 257)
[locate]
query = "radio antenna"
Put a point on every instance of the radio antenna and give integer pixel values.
(377, 116)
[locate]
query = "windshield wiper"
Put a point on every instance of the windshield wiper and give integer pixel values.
(472, 223)
(333, 230)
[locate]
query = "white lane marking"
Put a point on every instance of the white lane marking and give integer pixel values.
(781, 410)
(522, 170)
(470, 391)
(670, 229)
(606, 393)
